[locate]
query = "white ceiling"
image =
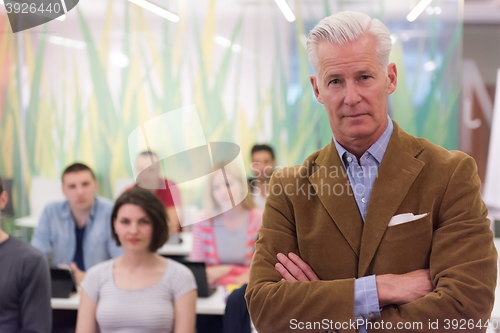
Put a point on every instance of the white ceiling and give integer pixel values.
(474, 11)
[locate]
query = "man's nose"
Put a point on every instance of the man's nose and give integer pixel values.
(352, 96)
(79, 190)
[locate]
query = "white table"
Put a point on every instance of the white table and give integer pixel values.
(182, 249)
(27, 221)
(213, 305)
(495, 314)
(66, 303)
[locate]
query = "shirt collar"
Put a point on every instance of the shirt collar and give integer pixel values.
(94, 208)
(377, 150)
(66, 211)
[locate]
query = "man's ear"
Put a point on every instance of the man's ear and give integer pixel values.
(314, 83)
(392, 75)
(4, 198)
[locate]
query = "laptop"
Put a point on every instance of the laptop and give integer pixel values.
(174, 239)
(63, 282)
(200, 275)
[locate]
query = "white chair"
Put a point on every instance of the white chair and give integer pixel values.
(42, 192)
(189, 214)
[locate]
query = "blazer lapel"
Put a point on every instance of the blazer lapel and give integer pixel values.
(397, 172)
(333, 189)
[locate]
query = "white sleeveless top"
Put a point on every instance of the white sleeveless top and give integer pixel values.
(148, 310)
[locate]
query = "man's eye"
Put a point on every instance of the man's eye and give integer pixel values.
(365, 77)
(335, 81)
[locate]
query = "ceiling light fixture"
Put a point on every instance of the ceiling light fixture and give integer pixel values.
(76, 44)
(222, 41)
(419, 8)
(157, 10)
(227, 44)
(285, 9)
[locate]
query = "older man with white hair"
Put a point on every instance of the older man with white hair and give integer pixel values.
(378, 230)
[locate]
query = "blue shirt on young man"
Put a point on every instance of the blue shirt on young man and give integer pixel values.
(55, 234)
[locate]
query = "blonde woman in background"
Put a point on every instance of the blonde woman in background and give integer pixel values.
(226, 242)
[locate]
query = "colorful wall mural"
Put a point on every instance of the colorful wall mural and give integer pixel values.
(74, 90)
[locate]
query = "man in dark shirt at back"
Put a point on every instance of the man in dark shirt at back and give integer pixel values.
(24, 285)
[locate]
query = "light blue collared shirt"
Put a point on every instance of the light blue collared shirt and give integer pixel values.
(55, 234)
(362, 175)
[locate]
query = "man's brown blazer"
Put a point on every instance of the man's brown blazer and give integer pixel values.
(312, 212)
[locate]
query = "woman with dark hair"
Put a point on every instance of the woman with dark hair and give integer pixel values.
(139, 291)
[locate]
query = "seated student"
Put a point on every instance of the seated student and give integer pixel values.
(226, 242)
(150, 178)
(76, 230)
(263, 165)
(24, 285)
(139, 291)
(236, 317)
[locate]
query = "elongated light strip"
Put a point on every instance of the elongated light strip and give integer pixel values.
(285, 9)
(222, 41)
(227, 43)
(157, 10)
(419, 8)
(67, 42)
(63, 17)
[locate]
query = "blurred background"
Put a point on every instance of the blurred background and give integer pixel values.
(75, 89)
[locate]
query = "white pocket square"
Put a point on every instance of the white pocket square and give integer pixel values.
(403, 218)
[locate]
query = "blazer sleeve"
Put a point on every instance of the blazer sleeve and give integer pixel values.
(277, 306)
(463, 262)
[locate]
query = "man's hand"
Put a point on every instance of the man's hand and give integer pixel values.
(391, 288)
(403, 288)
(79, 275)
(292, 268)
